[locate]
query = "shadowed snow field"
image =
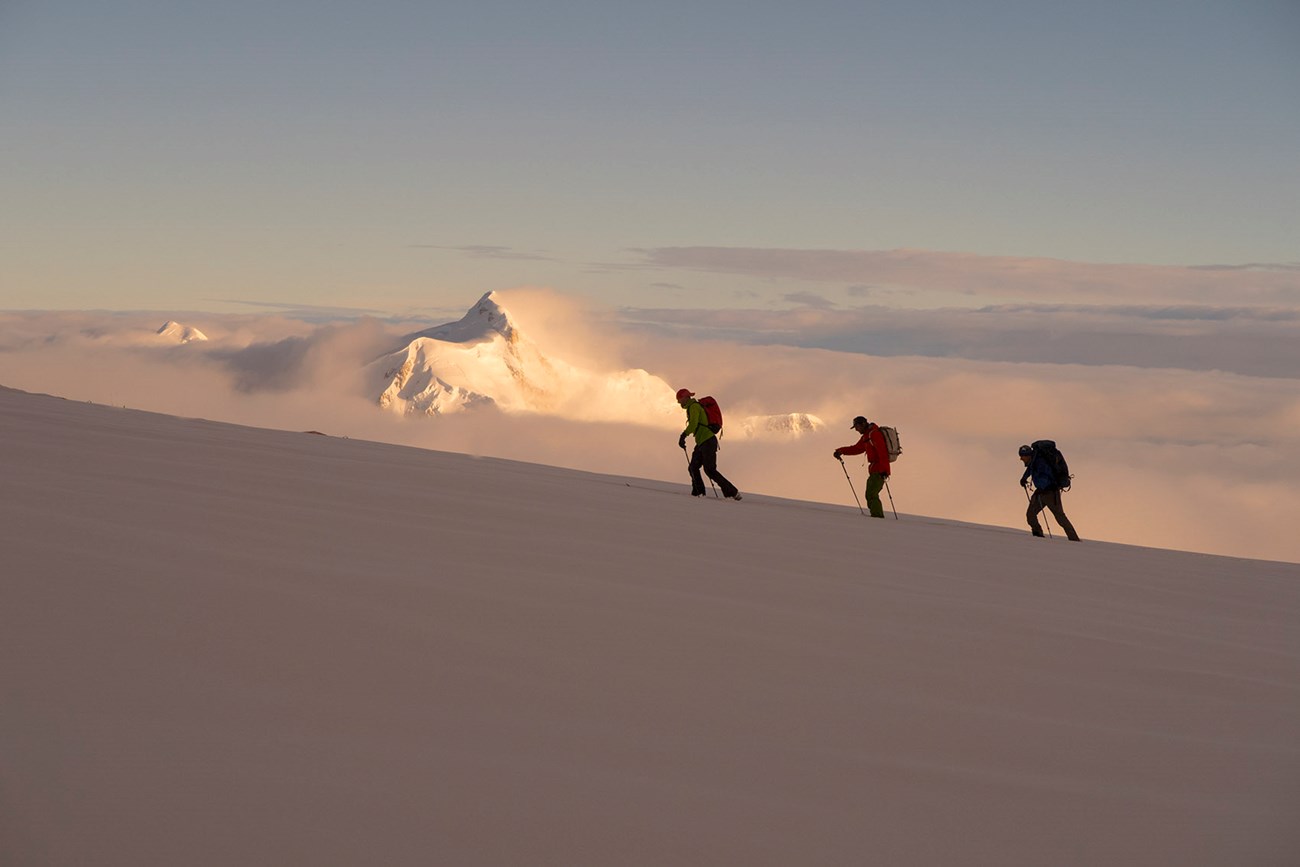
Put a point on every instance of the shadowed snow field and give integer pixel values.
(226, 645)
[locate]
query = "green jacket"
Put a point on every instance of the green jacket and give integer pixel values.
(697, 422)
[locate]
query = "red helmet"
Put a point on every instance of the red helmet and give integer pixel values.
(682, 394)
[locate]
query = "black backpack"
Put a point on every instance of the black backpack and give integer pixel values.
(1047, 450)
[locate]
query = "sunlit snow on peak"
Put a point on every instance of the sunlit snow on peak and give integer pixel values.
(789, 425)
(177, 333)
(484, 320)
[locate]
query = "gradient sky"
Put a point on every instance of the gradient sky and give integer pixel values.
(407, 156)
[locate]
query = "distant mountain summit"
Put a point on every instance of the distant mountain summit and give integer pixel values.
(483, 320)
(789, 425)
(484, 359)
(175, 332)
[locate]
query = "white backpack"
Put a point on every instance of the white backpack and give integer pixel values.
(891, 442)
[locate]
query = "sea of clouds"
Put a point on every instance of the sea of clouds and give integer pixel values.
(1169, 450)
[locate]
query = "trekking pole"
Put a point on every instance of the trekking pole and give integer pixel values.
(1043, 512)
(891, 498)
(716, 495)
(688, 467)
(851, 488)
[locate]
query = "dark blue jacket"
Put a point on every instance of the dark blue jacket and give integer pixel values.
(1041, 471)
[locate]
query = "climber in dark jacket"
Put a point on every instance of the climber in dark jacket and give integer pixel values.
(1047, 495)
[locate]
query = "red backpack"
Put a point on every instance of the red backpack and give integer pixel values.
(713, 412)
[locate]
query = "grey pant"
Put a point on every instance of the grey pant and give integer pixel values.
(1050, 500)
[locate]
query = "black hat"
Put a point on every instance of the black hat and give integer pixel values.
(1026, 451)
(857, 421)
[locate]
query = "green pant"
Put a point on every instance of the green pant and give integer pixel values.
(875, 484)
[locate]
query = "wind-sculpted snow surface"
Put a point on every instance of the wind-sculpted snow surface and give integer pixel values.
(225, 645)
(485, 360)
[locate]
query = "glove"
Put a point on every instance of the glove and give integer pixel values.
(1024, 483)
(837, 455)
(681, 441)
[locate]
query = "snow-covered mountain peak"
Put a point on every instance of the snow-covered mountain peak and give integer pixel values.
(484, 320)
(484, 359)
(175, 332)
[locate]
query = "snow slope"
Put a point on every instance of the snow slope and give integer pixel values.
(223, 645)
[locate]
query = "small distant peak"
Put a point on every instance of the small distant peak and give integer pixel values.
(179, 333)
(789, 425)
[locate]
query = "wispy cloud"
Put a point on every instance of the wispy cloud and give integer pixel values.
(1189, 312)
(330, 354)
(1251, 341)
(1251, 266)
(489, 251)
(809, 299)
(996, 278)
(307, 312)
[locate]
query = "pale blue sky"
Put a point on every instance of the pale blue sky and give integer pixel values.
(412, 155)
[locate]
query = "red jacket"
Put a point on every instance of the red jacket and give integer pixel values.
(873, 443)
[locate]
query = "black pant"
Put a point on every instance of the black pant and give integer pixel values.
(1050, 500)
(705, 457)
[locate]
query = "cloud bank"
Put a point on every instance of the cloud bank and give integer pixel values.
(997, 278)
(1234, 318)
(1196, 459)
(1251, 341)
